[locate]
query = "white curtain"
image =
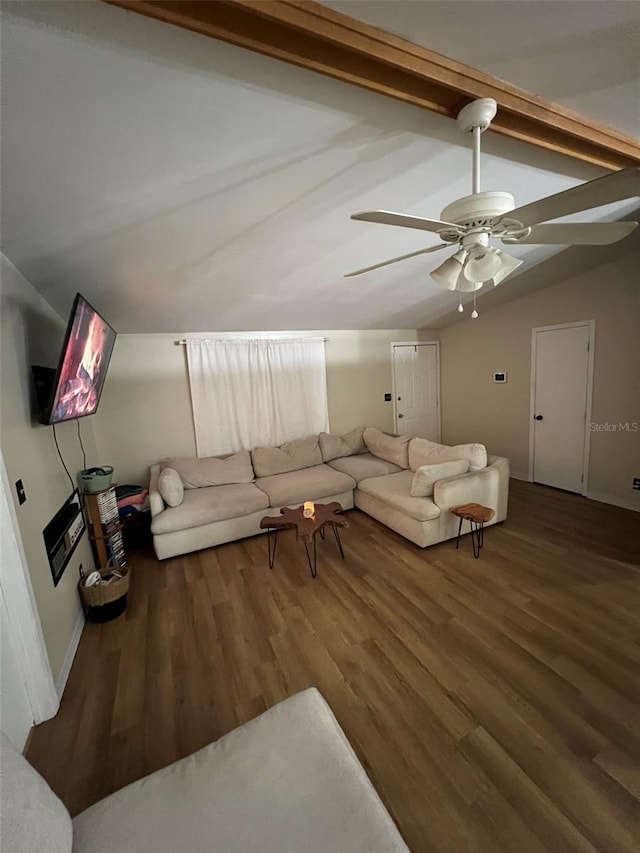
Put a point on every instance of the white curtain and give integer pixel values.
(251, 392)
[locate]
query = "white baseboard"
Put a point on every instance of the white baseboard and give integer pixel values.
(67, 663)
(614, 500)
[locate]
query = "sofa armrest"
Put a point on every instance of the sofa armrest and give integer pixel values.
(489, 487)
(156, 502)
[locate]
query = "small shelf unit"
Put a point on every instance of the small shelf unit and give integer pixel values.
(105, 530)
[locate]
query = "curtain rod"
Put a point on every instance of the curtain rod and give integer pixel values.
(183, 341)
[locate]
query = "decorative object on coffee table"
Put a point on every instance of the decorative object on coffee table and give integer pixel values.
(305, 527)
(477, 516)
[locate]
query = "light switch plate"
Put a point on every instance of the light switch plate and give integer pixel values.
(22, 495)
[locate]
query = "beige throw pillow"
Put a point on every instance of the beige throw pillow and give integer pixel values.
(426, 476)
(337, 446)
(391, 448)
(170, 487)
(213, 470)
(292, 456)
(425, 452)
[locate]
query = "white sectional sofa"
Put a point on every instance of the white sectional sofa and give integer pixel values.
(286, 782)
(408, 484)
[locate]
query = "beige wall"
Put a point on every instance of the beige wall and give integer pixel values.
(474, 408)
(145, 412)
(32, 333)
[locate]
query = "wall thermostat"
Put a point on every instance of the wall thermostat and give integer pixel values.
(500, 377)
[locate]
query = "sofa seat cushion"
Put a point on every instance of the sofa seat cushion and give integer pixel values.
(395, 490)
(285, 782)
(215, 503)
(321, 481)
(363, 466)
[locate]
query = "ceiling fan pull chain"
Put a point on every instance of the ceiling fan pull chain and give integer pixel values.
(474, 313)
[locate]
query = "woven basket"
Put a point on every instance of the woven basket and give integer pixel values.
(98, 595)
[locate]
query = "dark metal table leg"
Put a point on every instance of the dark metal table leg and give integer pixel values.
(459, 532)
(272, 551)
(313, 565)
(476, 541)
(337, 535)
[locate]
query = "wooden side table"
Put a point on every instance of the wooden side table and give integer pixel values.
(477, 516)
(306, 528)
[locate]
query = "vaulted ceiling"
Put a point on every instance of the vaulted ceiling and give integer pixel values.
(184, 184)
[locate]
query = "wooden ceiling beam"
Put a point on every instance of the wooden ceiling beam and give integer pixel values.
(312, 36)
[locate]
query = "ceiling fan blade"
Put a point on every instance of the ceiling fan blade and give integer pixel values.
(577, 233)
(395, 260)
(387, 217)
(610, 188)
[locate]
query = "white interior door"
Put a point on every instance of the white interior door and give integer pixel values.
(561, 380)
(27, 691)
(416, 373)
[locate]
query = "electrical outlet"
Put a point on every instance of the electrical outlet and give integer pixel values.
(636, 484)
(387, 397)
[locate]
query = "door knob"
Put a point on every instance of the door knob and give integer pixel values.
(538, 417)
(400, 416)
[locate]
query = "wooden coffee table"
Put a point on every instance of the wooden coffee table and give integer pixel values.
(306, 528)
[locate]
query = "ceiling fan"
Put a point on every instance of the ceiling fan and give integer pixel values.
(471, 222)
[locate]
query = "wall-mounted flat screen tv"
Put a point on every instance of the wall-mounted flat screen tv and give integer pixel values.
(85, 357)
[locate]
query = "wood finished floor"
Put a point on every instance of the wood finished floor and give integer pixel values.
(495, 703)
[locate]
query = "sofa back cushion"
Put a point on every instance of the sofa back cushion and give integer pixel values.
(427, 476)
(425, 452)
(292, 456)
(213, 470)
(337, 446)
(392, 448)
(33, 818)
(171, 487)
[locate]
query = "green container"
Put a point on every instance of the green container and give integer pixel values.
(95, 479)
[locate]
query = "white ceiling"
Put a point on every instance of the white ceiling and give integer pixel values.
(183, 184)
(582, 54)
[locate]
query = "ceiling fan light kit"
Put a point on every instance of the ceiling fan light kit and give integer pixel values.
(473, 221)
(509, 265)
(483, 264)
(448, 273)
